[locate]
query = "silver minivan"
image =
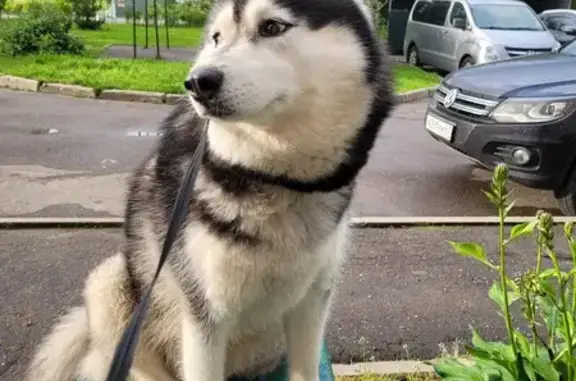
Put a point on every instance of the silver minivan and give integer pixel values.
(452, 34)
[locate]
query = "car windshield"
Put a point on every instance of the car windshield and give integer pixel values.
(569, 49)
(505, 17)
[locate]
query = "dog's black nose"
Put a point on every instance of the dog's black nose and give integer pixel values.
(205, 82)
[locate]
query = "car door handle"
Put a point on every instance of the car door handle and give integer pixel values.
(442, 33)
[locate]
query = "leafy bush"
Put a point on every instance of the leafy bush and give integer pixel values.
(189, 12)
(3, 5)
(90, 24)
(85, 12)
(23, 6)
(546, 297)
(173, 13)
(128, 13)
(43, 29)
(192, 13)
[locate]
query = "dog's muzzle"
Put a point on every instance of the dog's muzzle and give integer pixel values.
(204, 84)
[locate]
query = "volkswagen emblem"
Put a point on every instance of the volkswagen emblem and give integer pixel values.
(450, 98)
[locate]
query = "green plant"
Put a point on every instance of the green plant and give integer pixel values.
(173, 12)
(546, 297)
(85, 12)
(128, 13)
(193, 13)
(3, 5)
(44, 29)
(378, 8)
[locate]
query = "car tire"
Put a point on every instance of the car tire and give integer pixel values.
(566, 196)
(467, 62)
(413, 57)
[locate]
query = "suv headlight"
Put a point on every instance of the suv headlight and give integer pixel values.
(527, 111)
(490, 54)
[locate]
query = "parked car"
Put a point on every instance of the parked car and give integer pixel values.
(561, 22)
(520, 111)
(452, 34)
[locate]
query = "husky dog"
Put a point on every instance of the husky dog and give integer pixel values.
(293, 94)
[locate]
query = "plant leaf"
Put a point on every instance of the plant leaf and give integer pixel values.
(568, 228)
(509, 208)
(490, 197)
(493, 350)
(472, 250)
(493, 368)
(547, 273)
(522, 374)
(523, 344)
(521, 230)
(497, 295)
(542, 365)
(452, 368)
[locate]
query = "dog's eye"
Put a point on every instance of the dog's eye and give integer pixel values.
(216, 38)
(272, 28)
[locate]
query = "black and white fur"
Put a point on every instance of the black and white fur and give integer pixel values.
(303, 90)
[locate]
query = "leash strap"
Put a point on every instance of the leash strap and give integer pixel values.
(124, 353)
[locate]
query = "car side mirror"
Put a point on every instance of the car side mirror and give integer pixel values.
(571, 30)
(459, 23)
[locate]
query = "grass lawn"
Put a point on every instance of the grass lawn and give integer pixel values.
(409, 78)
(141, 74)
(146, 75)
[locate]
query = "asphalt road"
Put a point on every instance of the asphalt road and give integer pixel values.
(403, 294)
(68, 157)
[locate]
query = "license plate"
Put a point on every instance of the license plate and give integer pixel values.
(439, 127)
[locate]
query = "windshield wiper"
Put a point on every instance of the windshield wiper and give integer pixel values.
(524, 28)
(509, 28)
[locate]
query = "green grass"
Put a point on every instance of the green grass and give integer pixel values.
(96, 40)
(141, 74)
(124, 74)
(402, 377)
(412, 78)
(145, 75)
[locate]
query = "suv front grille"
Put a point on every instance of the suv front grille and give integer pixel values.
(465, 104)
(515, 52)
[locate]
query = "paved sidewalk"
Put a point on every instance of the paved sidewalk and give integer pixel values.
(171, 54)
(403, 295)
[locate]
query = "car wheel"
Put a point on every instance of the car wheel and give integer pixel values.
(413, 57)
(467, 62)
(566, 196)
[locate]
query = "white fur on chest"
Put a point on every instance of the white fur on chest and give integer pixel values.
(251, 288)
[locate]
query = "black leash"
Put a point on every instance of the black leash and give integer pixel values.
(124, 354)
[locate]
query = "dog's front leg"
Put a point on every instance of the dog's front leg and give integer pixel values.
(203, 350)
(304, 330)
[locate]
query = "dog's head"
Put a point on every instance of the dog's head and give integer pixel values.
(301, 70)
(263, 57)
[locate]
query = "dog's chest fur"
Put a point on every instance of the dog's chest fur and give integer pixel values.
(275, 243)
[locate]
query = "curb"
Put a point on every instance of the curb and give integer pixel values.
(32, 85)
(415, 95)
(355, 222)
(381, 367)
